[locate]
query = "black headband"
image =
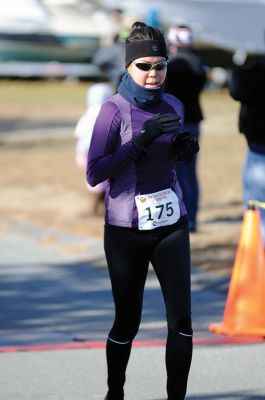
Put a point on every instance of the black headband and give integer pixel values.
(144, 48)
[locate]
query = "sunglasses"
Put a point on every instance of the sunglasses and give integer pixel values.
(160, 66)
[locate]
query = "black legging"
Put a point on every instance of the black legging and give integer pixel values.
(128, 252)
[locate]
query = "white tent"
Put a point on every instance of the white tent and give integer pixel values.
(229, 24)
(236, 25)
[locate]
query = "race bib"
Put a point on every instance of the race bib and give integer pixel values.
(157, 209)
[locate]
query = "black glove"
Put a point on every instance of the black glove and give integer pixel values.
(185, 146)
(156, 126)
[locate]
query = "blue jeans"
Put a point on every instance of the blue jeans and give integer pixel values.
(254, 182)
(188, 180)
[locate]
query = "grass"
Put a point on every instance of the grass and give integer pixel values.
(42, 184)
(41, 99)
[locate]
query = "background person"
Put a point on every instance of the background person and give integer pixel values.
(186, 78)
(96, 95)
(110, 60)
(136, 141)
(247, 86)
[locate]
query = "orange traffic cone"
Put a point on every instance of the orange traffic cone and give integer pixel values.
(244, 311)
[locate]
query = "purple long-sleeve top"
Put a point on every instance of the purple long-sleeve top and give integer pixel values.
(129, 170)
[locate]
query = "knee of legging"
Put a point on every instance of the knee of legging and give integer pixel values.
(123, 332)
(181, 325)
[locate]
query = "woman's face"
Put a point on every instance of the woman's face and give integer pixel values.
(150, 79)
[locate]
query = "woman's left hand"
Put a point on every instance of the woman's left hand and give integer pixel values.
(185, 146)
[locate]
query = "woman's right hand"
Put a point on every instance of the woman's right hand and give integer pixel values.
(156, 126)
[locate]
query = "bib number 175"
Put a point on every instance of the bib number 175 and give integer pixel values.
(168, 209)
(157, 209)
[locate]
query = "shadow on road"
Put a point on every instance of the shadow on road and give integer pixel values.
(46, 303)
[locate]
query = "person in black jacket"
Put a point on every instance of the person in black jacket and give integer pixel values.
(247, 85)
(186, 78)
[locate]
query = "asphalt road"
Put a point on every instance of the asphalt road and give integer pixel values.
(55, 296)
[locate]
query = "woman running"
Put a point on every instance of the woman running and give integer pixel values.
(136, 141)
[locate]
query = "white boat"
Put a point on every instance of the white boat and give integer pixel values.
(70, 31)
(32, 31)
